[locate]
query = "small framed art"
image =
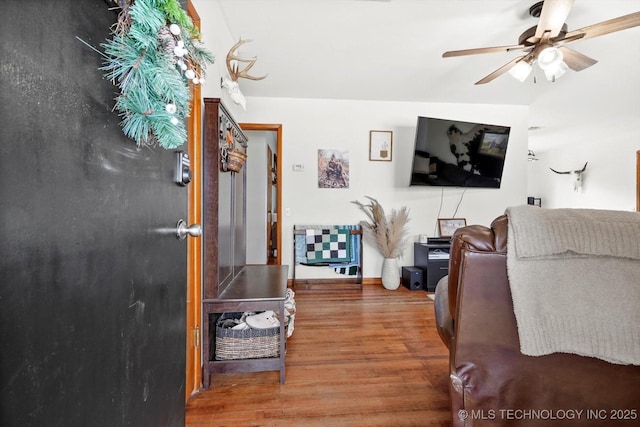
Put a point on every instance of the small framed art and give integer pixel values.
(380, 145)
(448, 226)
(534, 201)
(333, 169)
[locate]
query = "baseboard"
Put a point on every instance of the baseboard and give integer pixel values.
(347, 284)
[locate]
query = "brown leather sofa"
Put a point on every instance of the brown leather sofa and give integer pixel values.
(491, 382)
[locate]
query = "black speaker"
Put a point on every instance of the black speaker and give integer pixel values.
(412, 278)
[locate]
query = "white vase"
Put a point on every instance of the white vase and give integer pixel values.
(390, 274)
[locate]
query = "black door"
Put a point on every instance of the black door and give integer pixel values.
(92, 278)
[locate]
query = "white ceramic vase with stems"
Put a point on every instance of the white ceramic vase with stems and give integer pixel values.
(390, 274)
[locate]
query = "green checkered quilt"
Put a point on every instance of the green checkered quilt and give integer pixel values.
(327, 245)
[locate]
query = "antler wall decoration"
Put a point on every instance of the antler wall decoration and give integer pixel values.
(576, 176)
(235, 73)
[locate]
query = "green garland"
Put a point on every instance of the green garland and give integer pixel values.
(152, 56)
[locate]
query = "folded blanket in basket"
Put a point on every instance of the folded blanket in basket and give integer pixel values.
(327, 245)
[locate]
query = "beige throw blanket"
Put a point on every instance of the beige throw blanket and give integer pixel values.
(575, 281)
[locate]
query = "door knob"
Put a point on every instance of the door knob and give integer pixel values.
(194, 230)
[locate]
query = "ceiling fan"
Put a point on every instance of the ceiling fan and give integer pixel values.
(546, 42)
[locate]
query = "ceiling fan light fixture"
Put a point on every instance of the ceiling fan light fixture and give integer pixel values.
(549, 58)
(538, 41)
(521, 70)
(556, 72)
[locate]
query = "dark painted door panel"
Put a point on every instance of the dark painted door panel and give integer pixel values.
(92, 280)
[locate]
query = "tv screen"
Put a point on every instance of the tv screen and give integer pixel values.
(458, 154)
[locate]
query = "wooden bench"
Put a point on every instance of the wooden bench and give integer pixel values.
(255, 288)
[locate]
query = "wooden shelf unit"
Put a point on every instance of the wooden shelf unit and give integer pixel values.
(229, 285)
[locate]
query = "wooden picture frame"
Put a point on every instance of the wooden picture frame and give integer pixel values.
(380, 145)
(447, 226)
(333, 168)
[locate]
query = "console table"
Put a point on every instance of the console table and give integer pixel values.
(255, 288)
(433, 259)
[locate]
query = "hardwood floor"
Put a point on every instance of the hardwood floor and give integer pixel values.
(370, 358)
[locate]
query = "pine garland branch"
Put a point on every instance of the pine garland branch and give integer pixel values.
(147, 20)
(176, 14)
(172, 136)
(151, 58)
(198, 53)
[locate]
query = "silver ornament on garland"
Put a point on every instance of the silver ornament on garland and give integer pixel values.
(175, 29)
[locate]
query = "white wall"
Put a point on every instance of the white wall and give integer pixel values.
(257, 187)
(608, 183)
(256, 165)
(602, 127)
(217, 39)
(309, 125)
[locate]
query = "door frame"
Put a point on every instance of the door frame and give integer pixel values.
(193, 372)
(278, 129)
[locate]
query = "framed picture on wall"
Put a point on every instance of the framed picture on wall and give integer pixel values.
(380, 145)
(333, 169)
(448, 226)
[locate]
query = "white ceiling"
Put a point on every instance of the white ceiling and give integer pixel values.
(392, 50)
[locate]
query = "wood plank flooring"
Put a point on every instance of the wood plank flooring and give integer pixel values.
(370, 358)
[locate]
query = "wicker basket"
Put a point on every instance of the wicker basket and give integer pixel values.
(245, 344)
(235, 160)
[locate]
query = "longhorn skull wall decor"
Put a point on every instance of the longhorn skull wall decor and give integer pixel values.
(233, 66)
(576, 177)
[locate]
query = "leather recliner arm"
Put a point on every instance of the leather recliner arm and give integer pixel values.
(473, 238)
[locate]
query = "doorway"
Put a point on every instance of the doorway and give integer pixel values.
(265, 241)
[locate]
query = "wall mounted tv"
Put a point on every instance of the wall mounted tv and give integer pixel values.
(458, 154)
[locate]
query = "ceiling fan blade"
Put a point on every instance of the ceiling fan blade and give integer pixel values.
(554, 14)
(606, 27)
(480, 50)
(575, 60)
(500, 71)
(567, 40)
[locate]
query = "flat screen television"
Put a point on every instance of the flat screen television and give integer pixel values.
(459, 154)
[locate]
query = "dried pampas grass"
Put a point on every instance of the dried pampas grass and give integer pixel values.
(388, 233)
